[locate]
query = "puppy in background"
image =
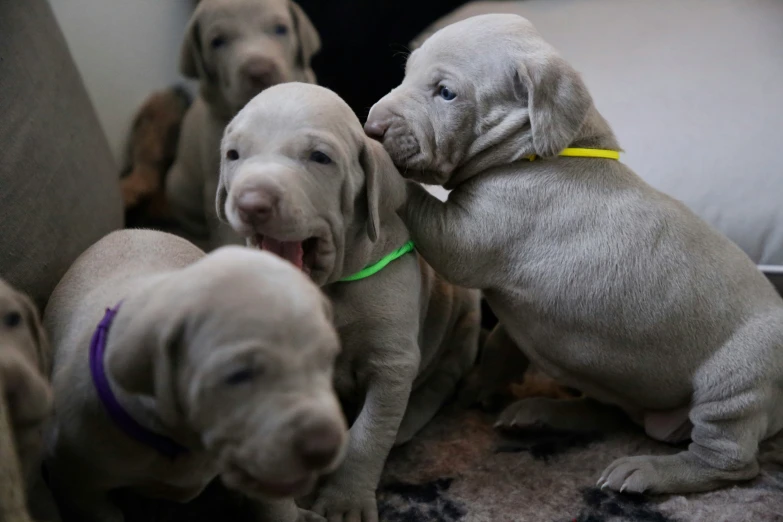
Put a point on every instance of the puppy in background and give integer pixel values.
(300, 179)
(235, 49)
(608, 285)
(172, 368)
(25, 400)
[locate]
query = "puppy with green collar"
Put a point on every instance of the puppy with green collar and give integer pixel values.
(299, 178)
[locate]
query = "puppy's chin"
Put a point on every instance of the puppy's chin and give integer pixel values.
(239, 479)
(427, 177)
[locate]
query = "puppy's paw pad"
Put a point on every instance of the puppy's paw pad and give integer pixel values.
(630, 475)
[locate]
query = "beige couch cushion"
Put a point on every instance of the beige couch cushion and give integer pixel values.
(58, 182)
(694, 91)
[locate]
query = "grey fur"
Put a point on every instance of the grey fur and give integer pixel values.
(187, 323)
(407, 335)
(603, 282)
(247, 28)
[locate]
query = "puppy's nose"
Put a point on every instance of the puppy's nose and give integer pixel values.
(258, 72)
(378, 122)
(257, 206)
(319, 444)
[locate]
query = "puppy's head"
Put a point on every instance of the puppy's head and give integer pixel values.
(244, 359)
(299, 177)
(238, 48)
(486, 90)
(21, 329)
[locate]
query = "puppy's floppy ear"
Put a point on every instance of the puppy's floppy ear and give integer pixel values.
(145, 364)
(191, 58)
(221, 198)
(378, 167)
(558, 102)
(370, 162)
(309, 40)
(33, 321)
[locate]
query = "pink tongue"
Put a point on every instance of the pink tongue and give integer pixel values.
(291, 251)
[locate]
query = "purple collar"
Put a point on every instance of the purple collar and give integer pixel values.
(163, 445)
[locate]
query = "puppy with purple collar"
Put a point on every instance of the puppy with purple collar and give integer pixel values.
(172, 368)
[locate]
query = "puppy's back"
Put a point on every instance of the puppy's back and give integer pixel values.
(109, 267)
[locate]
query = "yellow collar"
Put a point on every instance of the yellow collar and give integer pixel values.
(586, 153)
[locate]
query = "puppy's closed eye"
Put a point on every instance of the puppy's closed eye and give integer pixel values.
(12, 319)
(319, 157)
(242, 376)
(218, 41)
(281, 29)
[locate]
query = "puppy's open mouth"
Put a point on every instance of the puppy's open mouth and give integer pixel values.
(301, 254)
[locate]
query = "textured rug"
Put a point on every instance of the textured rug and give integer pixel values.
(460, 470)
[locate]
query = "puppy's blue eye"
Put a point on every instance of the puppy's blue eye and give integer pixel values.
(446, 93)
(12, 319)
(319, 157)
(217, 42)
(281, 30)
(241, 377)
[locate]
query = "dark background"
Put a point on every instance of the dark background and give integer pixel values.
(365, 43)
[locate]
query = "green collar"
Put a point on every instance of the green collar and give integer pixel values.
(380, 265)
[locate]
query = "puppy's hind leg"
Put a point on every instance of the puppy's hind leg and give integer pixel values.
(426, 400)
(502, 363)
(733, 405)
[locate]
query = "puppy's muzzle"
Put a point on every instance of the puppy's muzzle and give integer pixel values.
(260, 73)
(319, 444)
(256, 207)
(378, 123)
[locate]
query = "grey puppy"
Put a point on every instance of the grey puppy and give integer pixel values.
(300, 178)
(605, 283)
(25, 402)
(223, 361)
(235, 49)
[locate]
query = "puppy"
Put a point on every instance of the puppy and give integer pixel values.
(217, 365)
(236, 49)
(25, 401)
(606, 284)
(299, 178)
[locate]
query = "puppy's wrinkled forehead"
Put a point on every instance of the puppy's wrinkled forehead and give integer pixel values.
(474, 44)
(295, 111)
(228, 12)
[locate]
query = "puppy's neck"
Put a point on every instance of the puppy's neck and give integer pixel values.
(219, 108)
(517, 145)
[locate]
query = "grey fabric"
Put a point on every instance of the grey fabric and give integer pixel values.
(58, 181)
(692, 89)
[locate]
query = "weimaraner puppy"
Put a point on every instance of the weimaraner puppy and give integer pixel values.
(300, 179)
(25, 400)
(608, 285)
(201, 366)
(236, 49)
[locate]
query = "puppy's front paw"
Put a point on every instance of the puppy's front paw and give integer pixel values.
(657, 474)
(346, 504)
(538, 413)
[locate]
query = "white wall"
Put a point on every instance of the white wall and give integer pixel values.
(124, 49)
